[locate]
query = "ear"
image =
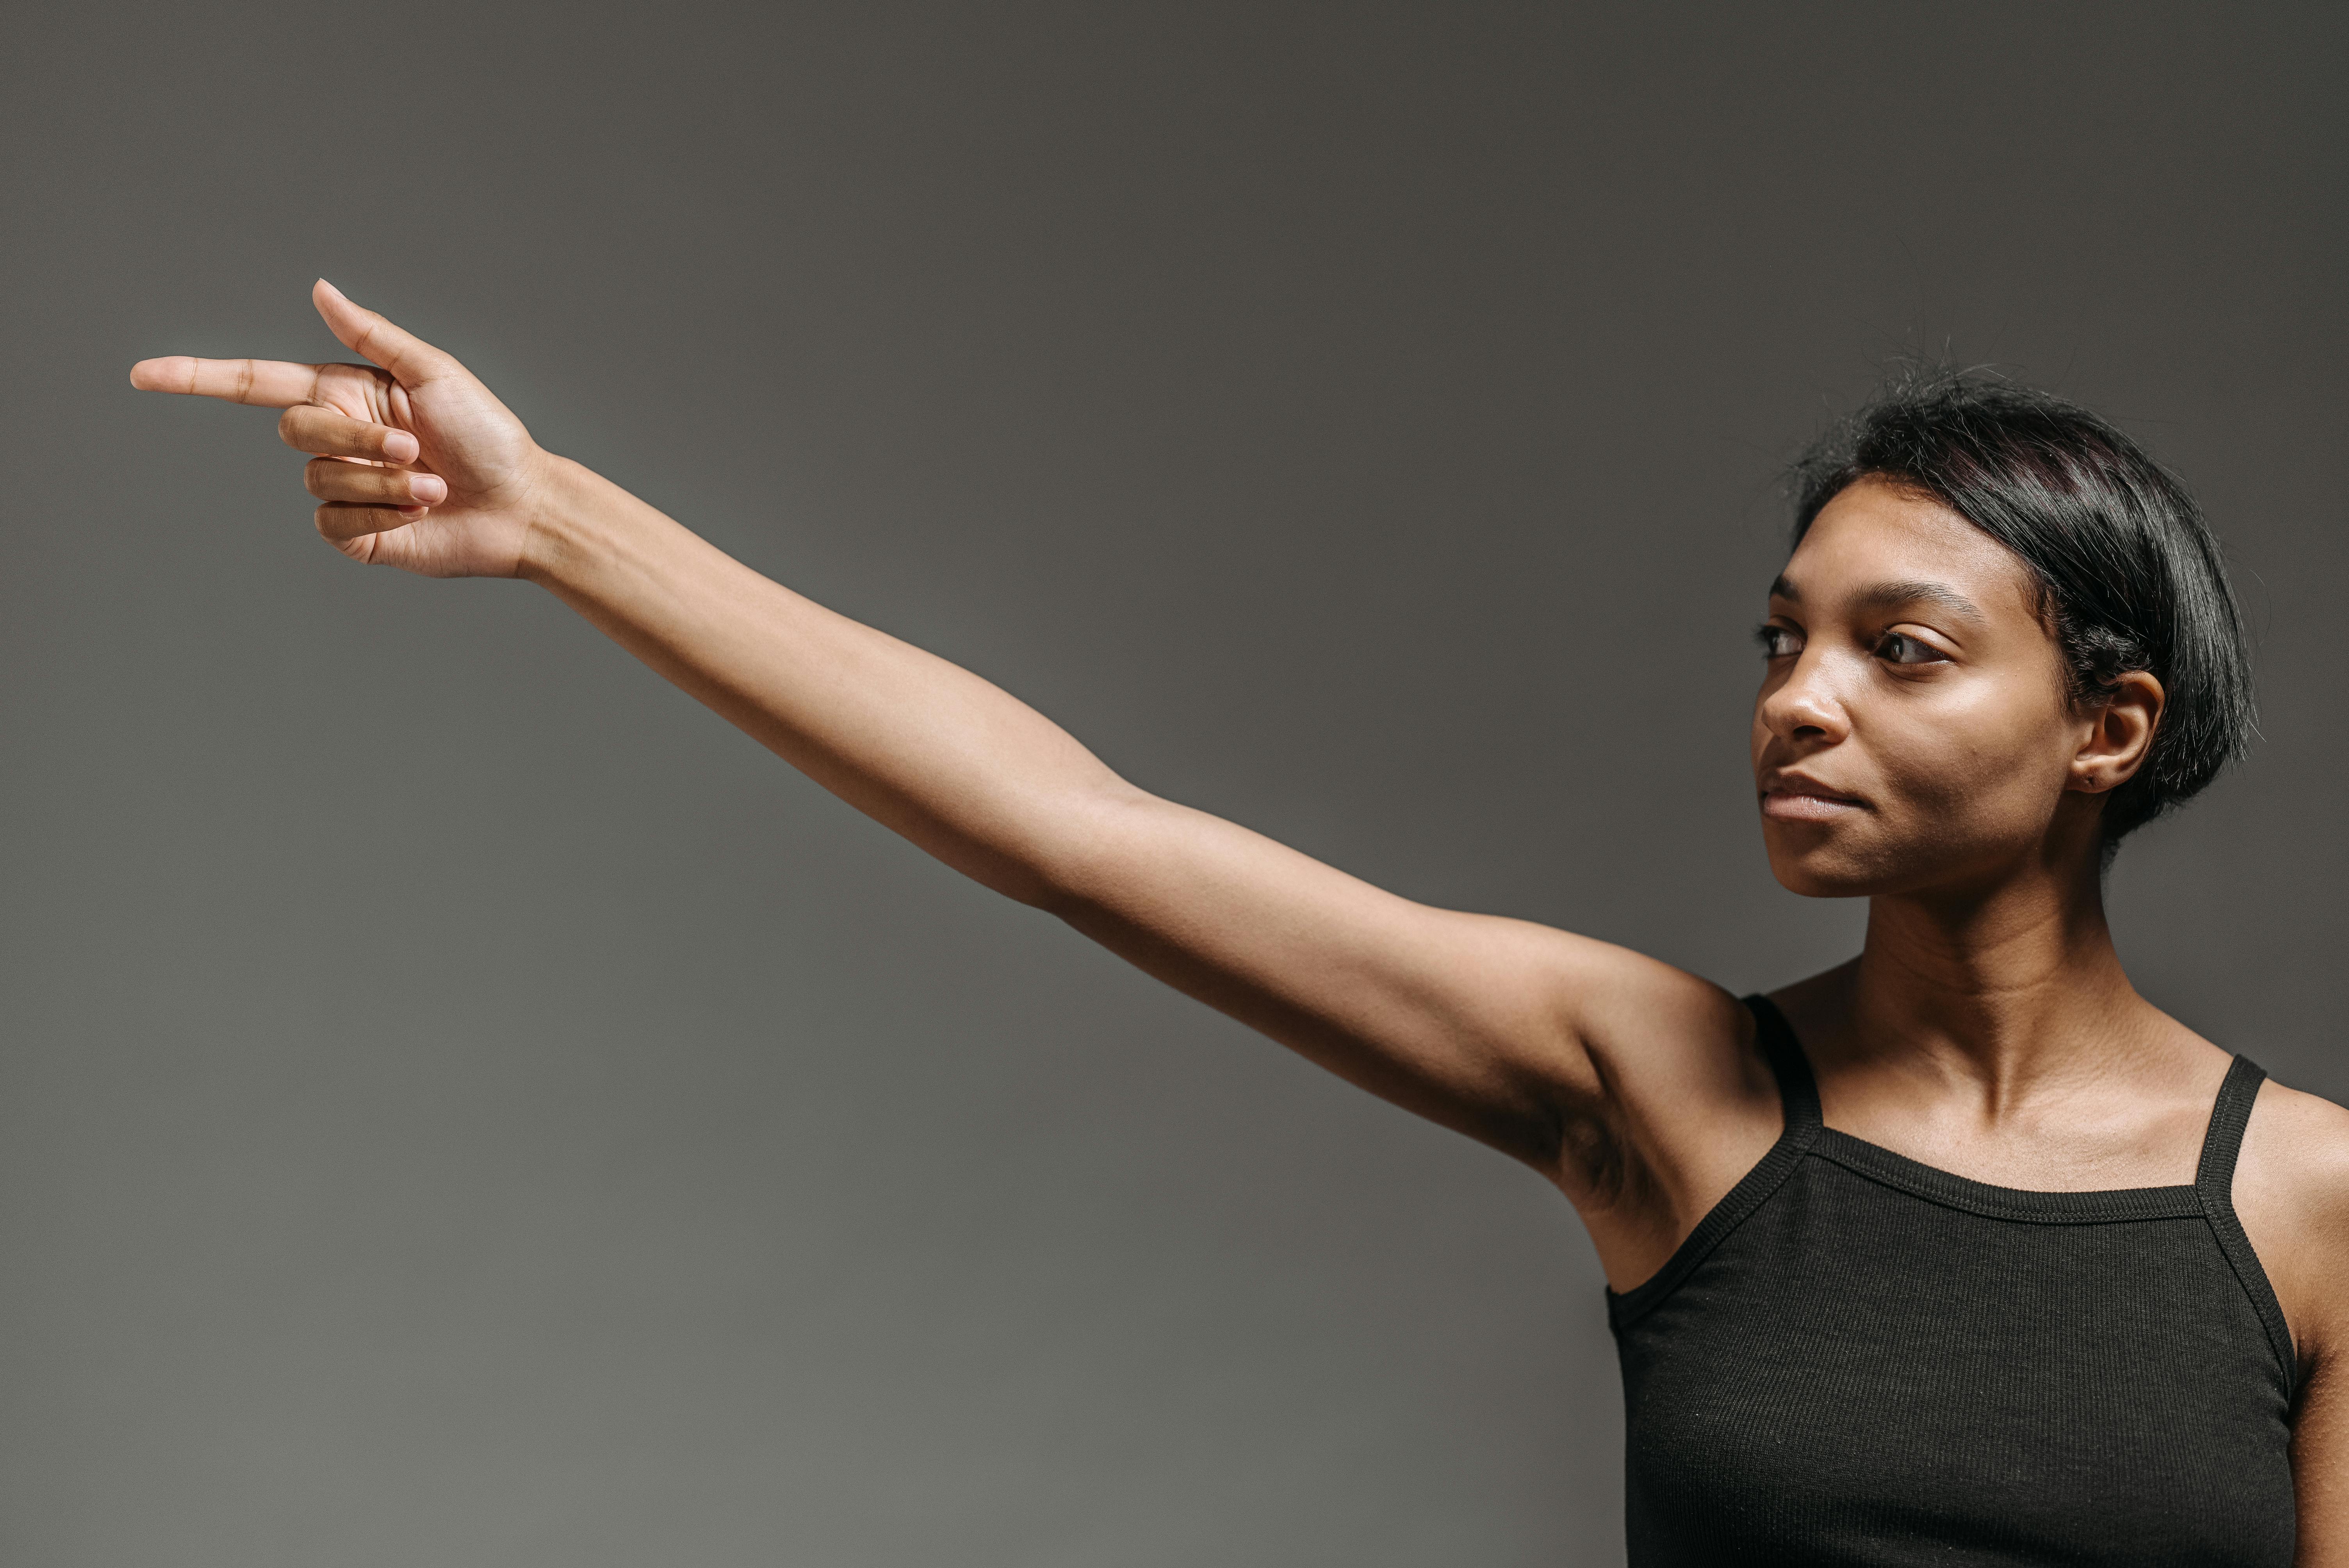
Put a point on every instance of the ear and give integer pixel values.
(2119, 737)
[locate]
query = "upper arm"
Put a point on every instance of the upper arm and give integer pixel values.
(1511, 1032)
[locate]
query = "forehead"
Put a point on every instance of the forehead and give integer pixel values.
(1873, 532)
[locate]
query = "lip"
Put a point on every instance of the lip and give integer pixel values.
(1791, 797)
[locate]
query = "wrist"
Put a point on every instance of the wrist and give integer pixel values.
(561, 531)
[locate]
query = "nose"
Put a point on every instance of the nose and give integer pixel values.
(1805, 707)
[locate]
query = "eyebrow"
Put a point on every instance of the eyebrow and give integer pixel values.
(1892, 595)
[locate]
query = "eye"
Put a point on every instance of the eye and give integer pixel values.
(1899, 648)
(1778, 642)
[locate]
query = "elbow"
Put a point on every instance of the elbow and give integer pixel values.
(1086, 854)
(1049, 851)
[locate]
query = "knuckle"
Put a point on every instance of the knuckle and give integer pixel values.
(308, 428)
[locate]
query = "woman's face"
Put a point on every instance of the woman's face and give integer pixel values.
(1913, 731)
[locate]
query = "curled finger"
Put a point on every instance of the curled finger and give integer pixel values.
(334, 478)
(341, 521)
(309, 427)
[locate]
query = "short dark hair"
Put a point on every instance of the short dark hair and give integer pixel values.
(2129, 574)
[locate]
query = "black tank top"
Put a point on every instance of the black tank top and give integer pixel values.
(1858, 1359)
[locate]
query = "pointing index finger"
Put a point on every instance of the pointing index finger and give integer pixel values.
(268, 383)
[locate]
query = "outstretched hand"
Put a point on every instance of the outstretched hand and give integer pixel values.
(417, 464)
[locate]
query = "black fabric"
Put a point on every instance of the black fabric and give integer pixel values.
(1858, 1359)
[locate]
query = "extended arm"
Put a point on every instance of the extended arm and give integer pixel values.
(1482, 1024)
(1462, 1018)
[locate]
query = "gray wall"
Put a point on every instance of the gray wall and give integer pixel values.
(464, 1104)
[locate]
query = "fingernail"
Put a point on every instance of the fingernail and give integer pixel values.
(400, 447)
(412, 513)
(429, 487)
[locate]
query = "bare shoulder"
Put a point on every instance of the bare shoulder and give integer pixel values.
(1679, 1106)
(2291, 1193)
(1649, 1030)
(1625, 1019)
(1656, 1097)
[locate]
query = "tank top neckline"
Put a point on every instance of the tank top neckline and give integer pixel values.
(2211, 1197)
(1799, 1096)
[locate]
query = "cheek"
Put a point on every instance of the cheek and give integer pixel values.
(1978, 767)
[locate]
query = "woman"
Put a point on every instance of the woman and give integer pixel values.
(1962, 1252)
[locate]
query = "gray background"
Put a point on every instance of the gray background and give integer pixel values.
(464, 1104)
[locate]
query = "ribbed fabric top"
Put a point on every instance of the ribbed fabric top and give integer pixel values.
(1856, 1359)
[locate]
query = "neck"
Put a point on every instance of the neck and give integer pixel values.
(2002, 986)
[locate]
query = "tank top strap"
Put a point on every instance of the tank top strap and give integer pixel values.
(2214, 1180)
(1798, 1092)
(2229, 1114)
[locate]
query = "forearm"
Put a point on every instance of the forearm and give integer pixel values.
(957, 765)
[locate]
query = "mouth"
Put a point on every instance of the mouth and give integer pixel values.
(1801, 800)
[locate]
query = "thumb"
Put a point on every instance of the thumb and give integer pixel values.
(411, 359)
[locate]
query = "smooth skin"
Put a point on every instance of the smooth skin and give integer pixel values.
(1912, 745)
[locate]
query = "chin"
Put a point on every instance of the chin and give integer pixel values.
(1810, 860)
(1820, 860)
(1815, 882)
